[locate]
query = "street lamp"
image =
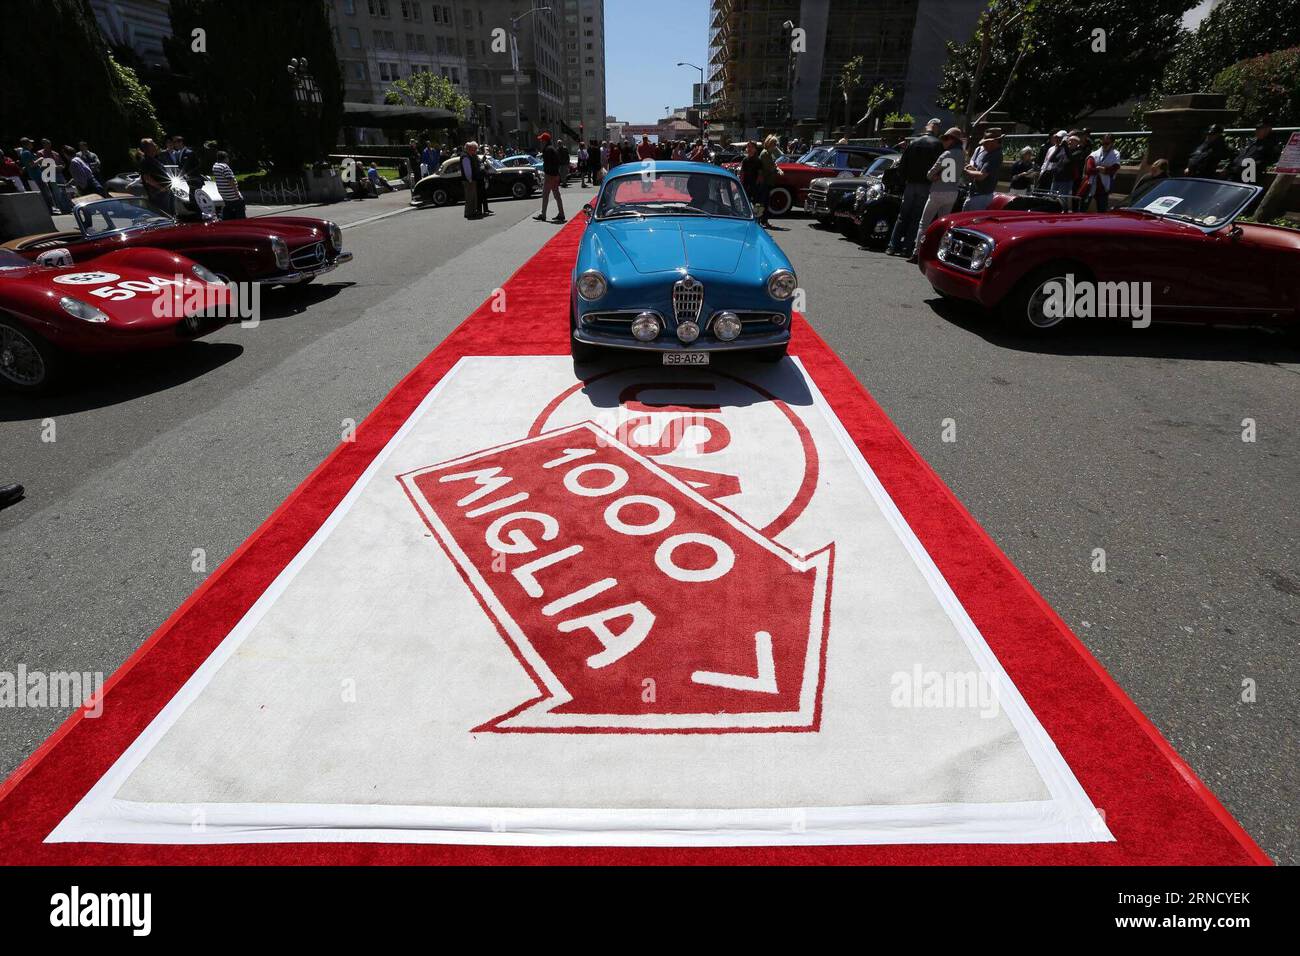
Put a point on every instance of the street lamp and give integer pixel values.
(788, 27)
(514, 56)
(305, 91)
(694, 67)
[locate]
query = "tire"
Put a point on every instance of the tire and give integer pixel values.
(438, 197)
(1022, 309)
(867, 234)
(773, 353)
(779, 201)
(520, 190)
(28, 364)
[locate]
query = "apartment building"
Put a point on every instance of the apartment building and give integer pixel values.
(378, 41)
(584, 35)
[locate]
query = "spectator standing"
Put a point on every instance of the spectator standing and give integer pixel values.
(157, 185)
(83, 177)
(1065, 168)
(430, 158)
(582, 163)
(483, 170)
(646, 150)
(1106, 162)
(1046, 157)
(52, 158)
(1206, 158)
(562, 154)
(751, 172)
(1256, 156)
(915, 163)
(11, 171)
(181, 154)
(233, 205)
(90, 159)
(983, 169)
(469, 180)
(550, 179)
(1023, 171)
(30, 165)
(944, 177)
(768, 172)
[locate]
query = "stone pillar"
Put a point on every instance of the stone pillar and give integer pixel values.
(1180, 124)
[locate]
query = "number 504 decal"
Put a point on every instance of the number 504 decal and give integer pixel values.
(128, 289)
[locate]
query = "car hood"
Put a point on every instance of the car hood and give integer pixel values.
(1013, 223)
(669, 243)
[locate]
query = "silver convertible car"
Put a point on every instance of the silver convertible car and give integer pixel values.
(673, 261)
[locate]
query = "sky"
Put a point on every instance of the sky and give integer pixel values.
(644, 40)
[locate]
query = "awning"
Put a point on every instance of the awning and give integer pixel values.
(399, 116)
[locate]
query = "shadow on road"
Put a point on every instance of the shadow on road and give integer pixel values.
(101, 382)
(1213, 343)
(292, 300)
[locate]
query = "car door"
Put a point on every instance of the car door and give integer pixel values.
(452, 179)
(1238, 277)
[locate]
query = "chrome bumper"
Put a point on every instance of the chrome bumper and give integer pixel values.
(302, 275)
(667, 344)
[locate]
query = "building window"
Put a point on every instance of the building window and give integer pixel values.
(411, 10)
(455, 75)
(354, 38)
(350, 7)
(379, 8)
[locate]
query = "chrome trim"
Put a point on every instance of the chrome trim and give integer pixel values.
(945, 246)
(688, 299)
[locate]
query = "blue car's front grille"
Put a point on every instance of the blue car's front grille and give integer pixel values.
(688, 299)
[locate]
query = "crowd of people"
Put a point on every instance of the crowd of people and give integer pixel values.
(54, 172)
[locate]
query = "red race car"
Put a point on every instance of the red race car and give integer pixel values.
(1175, 252)
(129, 300)
(275, 250)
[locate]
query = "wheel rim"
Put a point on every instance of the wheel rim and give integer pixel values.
(778, 202)
(439, 198)
(20, 360)
(520, 190)
(1034, 311)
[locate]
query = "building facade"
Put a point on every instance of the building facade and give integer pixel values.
(584, 35)
(777, 63)
(378, 41)
(140, 25)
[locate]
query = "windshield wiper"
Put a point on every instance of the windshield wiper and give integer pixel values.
(624, 212)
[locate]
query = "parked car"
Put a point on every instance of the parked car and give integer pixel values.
(523, 159)
(53, 309)
(1182, 236)
(678, 265)
(273, 250)
(795, 178)
(187, 209)
(447, 185)
(830, 198)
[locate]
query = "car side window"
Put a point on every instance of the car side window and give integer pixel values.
(857, 160)
(450, 168)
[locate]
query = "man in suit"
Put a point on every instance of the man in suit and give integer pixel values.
(482, 170)
(470, 175)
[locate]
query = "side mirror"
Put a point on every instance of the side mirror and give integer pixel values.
(1235, 232)
(586, 211)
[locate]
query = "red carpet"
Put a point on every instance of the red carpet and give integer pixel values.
(1157, 810)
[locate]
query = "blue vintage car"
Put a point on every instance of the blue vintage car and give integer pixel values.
(674, 261)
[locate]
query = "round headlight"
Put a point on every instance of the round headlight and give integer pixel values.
(860, 193)
(874, 192)
(646, 327)
(591, 285)
(726, 326)
(280, 249)
(336, 236)
(81, 310)
(688, 331)
(204, 274)
(781, 284)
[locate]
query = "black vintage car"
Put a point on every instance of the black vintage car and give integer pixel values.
(830, 198)
(447, 185)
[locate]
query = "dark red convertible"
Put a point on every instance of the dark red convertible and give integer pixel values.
(275, 250)
(1176, 252)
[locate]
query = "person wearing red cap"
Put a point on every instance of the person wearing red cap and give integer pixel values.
(551, 174)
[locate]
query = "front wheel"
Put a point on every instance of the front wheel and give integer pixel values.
(1037, 305)
(28, 363)
(520, 190)
(438, 197)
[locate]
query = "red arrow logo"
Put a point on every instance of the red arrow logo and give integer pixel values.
(635, 603)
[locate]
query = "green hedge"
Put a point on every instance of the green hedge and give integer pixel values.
(1264, 86)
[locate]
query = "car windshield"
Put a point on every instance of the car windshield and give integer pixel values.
(12, 260)
(879, 167)
(115, 215)
(670, 194)
(1193, 200)
(818, 156)
(495, 163)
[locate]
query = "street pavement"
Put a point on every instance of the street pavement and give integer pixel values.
(1127, 441)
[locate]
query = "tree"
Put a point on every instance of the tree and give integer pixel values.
(68, 89)
(881, 94)
(426, 89)
(1235, 30)
(235, 57)
(136, 102)
(1082, 55)
(1262, 87)
(849, 79)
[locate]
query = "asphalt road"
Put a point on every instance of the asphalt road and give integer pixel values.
(1127, 441)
